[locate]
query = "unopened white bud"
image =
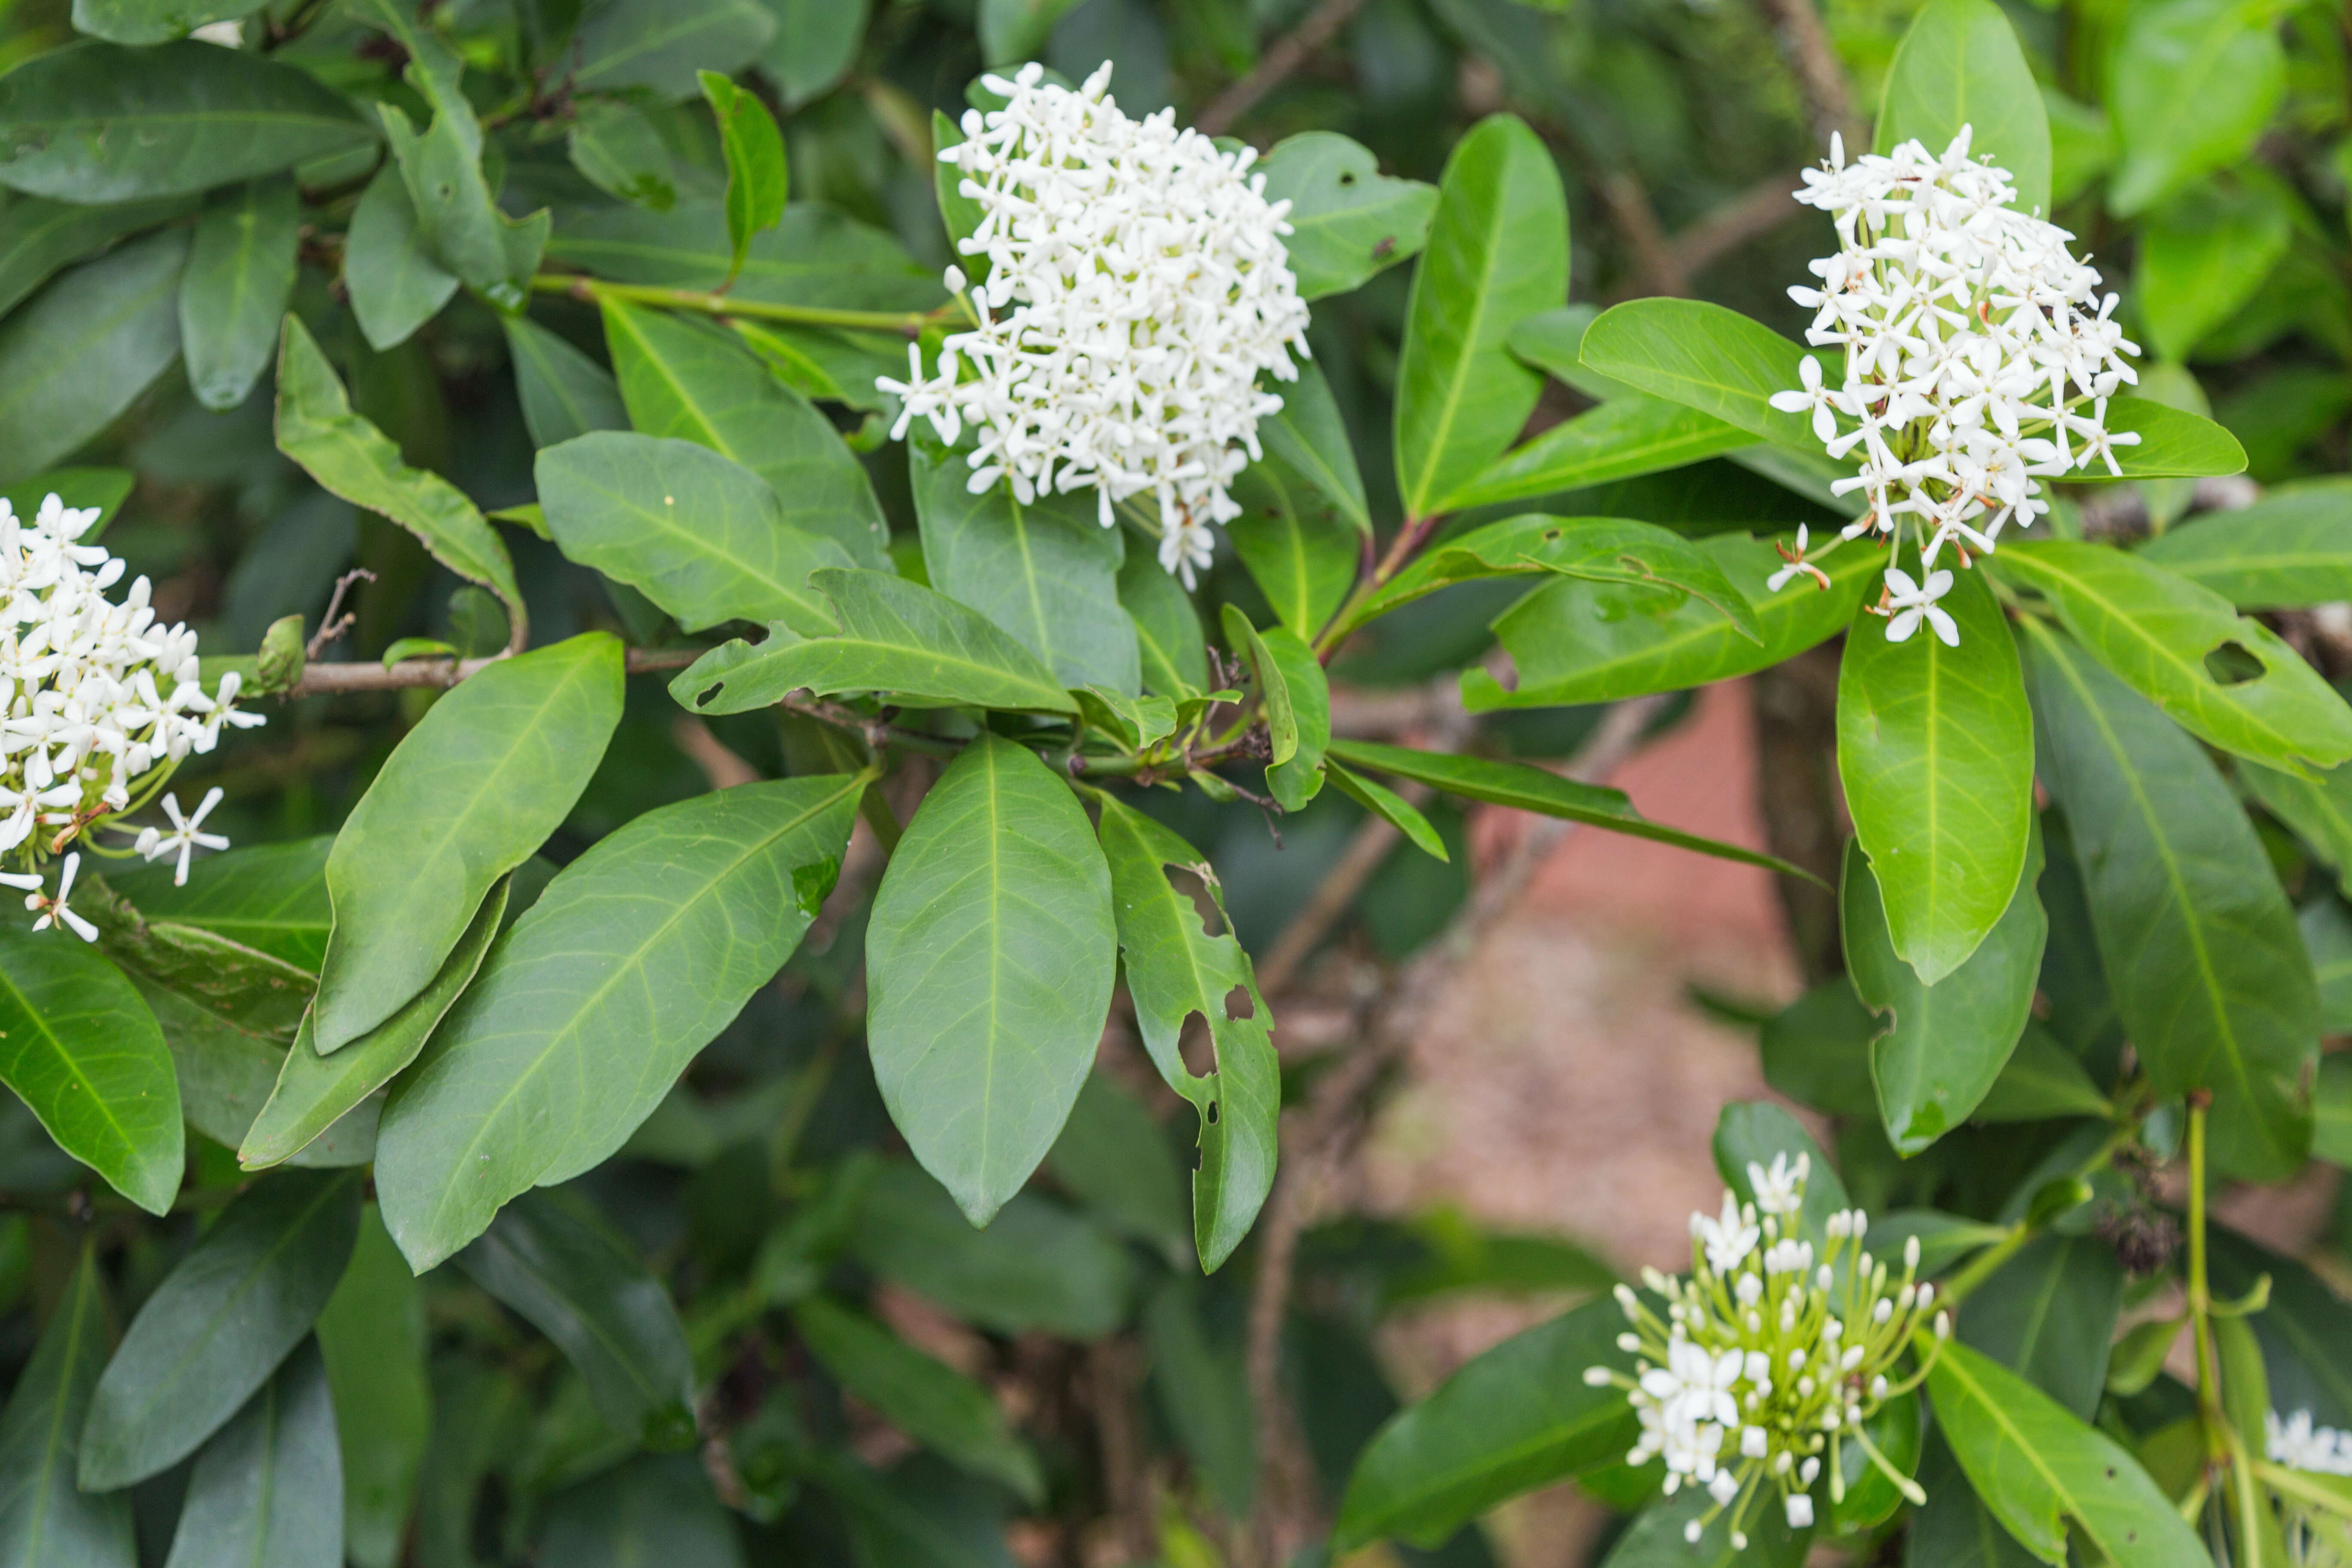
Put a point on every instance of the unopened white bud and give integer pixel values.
(1752, 1440)
(1911, 1253)
(1629, 1343)
(1799, 1509)
(1692, 1531)
(1809, 1470)
(1598, 1377)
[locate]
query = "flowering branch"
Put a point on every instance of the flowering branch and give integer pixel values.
(590, 291)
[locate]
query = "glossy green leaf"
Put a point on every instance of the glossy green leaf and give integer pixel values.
(565, 393)
(1510, 1420)
(39, 236)
(271, 898)
(989, 963)
(266, 1490)
(691, 382)
(1624, 438)
(815, 46)
(1270, 676)
(152, 21)
(83, 348)
(2173, 444)
(46, 1520)
(1167, 634)
(457, 212)
(82, 1051)
(552, 1259)
(1179, 964)
(636, 954)
(1114, 1160)
(814, 257)
(1300, 547)
(240, 275)
(2190, 85)
(1047, 572)
(233, 983)
(2290, 550)
(1309, 436)
(653, 1508)
(1036, 1267)
(466, 797)
(1817, 1050)
(373, 1335)
(2038, 1468)
(2203, 254)
(99, 122)
(827, 365)
(1706, 357)
(924, 648)
(1935, 753)
(1399, 812)
(2318, 809)
(2328, 938)
(2042, 1080)
(219, 1324)
(2049, 1314)
(2160, 634)
(660, 45)
(395, 285)
(1593, 549)
(1348, 221)
(757, 178)
(227, 1071)
(1953, 1529)
(2196, 940)
(1296, 779)
(1958, 67)
(1497, 254)
(354, 459)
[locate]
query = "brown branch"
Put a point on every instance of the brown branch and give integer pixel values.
(336, 680)
(331, 627)
(1820, 77)
(1761, 208)
(1274, 66)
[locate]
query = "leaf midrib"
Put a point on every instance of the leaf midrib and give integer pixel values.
(1449, 407)
(11, 990)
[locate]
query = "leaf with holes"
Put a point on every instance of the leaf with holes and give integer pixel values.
(1348, 220)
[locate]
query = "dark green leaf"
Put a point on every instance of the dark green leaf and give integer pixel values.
(238, 985)
(39, 236)
(565, 393)
(268, 1489)
(2303, 1331)
(815, 257)
(1300, 550)
(239, 276)
(2049, 1314)
(394, 283)
(757, 179)
(1167, 629)
(1295, 780)
(457, 212)
(152, 21)
(1113, 1158)
(1348, 220)
(2203, 254)
(1959, 67)
(1750, 1136)
(1817, 1050)
(654, 1507)
(1593, 549)
(2327, 937)
(2290, 550)
(1203, 1388)
(373, 1335)
(85, 347)
(2042, 1080)
(824, 364)
(1955, 1530)
(271, 898)
(1623, 439)
(46, 1520)
(1657, 1539)
(1311, 436)
(659, 45)
(227, 1072)
(1038, 1265)
(2191, 85)
(620, 148)
(815, 44)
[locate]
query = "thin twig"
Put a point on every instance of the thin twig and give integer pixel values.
(330, 628)
(1820, 77)
(1273, 68)
(336, 680)
(1761, 208)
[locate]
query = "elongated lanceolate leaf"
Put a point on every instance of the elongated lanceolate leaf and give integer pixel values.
(1706, 357)
(1624, 438)
(1166, 627)
(1348, 220)
(239, 276)
(1308, 435)
(1301, 552)
(469, 794)
(373, 1335)
(989, 960)
(2049, 1314)
(1594, 548)
(563, 391)
(2290, 550)
(152, 21)
(2193, 82)
(2318, 809)
(1959, 66)
(268, 1490)
(395, 284)
(757, 178)
(85, 347)
(271, 898)
(814, 257)
(38, 237)
(45, 1520)
(1038, 1265)
(659, 46)
(589, 1008)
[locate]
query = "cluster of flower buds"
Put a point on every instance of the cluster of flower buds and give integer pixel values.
(1979, 360)
(1767, 1359)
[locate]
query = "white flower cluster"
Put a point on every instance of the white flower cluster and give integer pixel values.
(93, 695)
(2297, 1444)
(1973, 341)
(1768, 1359)
(1137, 286)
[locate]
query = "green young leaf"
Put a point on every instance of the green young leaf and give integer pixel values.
(2196, 938)
(1624, 438)
(659, 45)
(692, 382)
(271, 898)
(2191, 84)
(240, 274)
(373, 1335)
(1399, 812)
(219, 1324)
(650, 1507)
(1497, 254)
(353, 458)
(565, 393)
(1526, 787)
(1047, 571)
(85, 347)
(39, 236)
(815, 44)
(1706, 357)
(1296, 779)
(757, 177)
(1298, 546)
(394, 283)
(457, 212)
(1516, 1417)
(82, 1051)
(2042, 1080)
(1113, 1158)
(2049, 1314)
(1348, 221)
(268, 1488)
(989, 962)
(311, 1093)
(2290, 550)
(99, 123)
(465, 798)
(46, 1520)
(1037, 1267)
(617, 146)
(152, 21)
(2038, 1466)
(1167, 629)
(1308, 435)
(550, 1257)
(929, 1401)
(1941, 1046)
(2203, 254)
(1179, 965)
(2225, 677)
(634, 957)
(1958, 67)
(1935, 753)
(814, 257)
(1593, 549)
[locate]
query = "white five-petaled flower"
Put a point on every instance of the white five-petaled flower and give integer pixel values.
(1907, 602)
(1781, 1190)
(53, 910)
(1973, 341)
(1727, 1239)
(1138, 290)
(183, 837)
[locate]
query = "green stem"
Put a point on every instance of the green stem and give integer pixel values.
(591, 289)
(1980, 1268)
(2210, 1415)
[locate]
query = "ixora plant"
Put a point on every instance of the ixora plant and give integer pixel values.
(430, 1061)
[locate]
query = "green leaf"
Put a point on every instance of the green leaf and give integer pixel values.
(2196, 938)
(465, 798)
(1309, 436)
(219, 1324)
(924, 648)
(565, 393)
(311, 1092)
(2173, 444)
(989, 962)
(2290, 550)
(2042, 1080)
(651, 1508)
(373, 1335)
(152, 21)
(99, 122)
(2303, 1331)
(1516, 1417)
(1817, 1050)
(2037, 1468)
(1037, 1267)
(929, 1401)
(1300, 547)
(271, 897)
(103, 488)
(1935, 753)
(1526, 787)
(1497, 254)
(814, 257)
(1015, 30)
(46, 1520)
(659, 45)
(239, 276)
(39, 236)
(1202, 1382)
(553, 1261)
(1624, 438)
(1348, 221)
(620, 149)
(220, 977)
(266, 1490)
(352, 458)
(394, 283)
(1657, 1539)
(1955, 1530)
(694, 382)
(1295, 780)
(2203, 254)
(1167, 629)
(227, 1071)
(85, 347)
(2328, 938)
(2318, 809)
(2048, 1313)
(1399, 812)
(1180, 963)
(757, 178)
(815, 44)
(1941, 1046)
(637, 954)
(824, 364)
(2162, 636)
(959, 215)
(1269, 676)
(82, 1051)
(1047, 571)
(1706, 357)
(2191, 84)
(1958, 67)
(1113, 1158)
(1594, 548)
(456, 211)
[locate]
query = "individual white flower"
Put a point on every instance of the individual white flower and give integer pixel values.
(183, 837)
(2298, 1444)
(1825, 402)
(54, 911)
(1138, 292)
(1797, 564)
(1726, 1239)
(1907, 602)
(1781, 1190)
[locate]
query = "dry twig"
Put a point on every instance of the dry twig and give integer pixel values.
(1282, 58)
